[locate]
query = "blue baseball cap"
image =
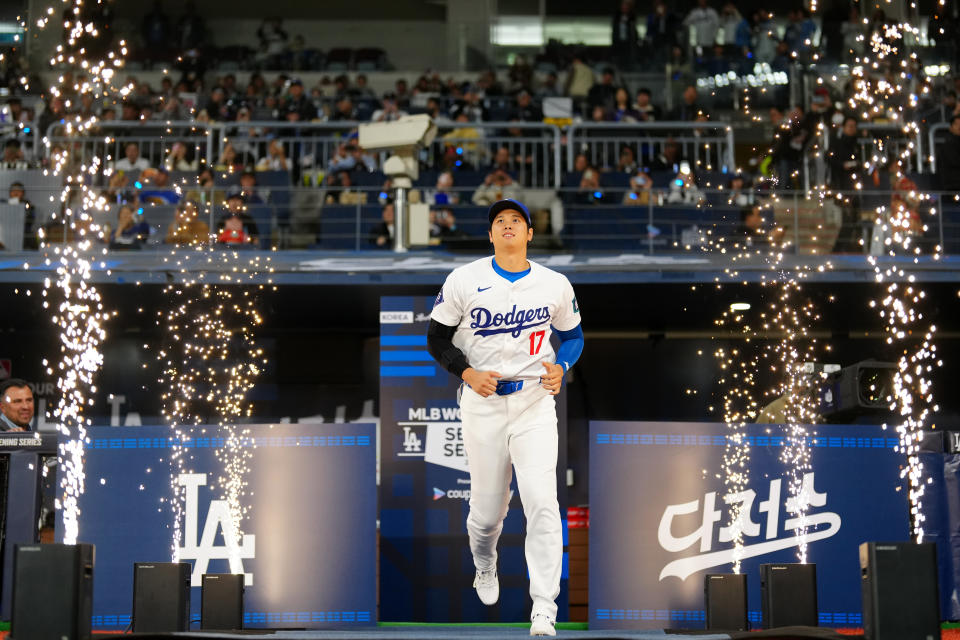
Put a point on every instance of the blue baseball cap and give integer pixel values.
(509, 204)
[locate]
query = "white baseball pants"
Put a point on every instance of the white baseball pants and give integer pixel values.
(518, 429)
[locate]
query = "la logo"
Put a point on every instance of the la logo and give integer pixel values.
(218, 517)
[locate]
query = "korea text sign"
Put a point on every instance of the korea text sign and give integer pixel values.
(660, 517)
(310, 520)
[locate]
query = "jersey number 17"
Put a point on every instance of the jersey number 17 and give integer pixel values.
(536, 341)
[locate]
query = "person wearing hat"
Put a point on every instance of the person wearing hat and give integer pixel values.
(236, 208)
(491, 326)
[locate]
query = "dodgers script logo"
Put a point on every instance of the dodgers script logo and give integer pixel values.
(819, 526)
(218, 516)
(513, 322)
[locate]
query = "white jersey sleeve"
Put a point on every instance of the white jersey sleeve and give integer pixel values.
(568, 314)
(448, 307)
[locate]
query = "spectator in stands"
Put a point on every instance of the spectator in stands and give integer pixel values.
(520, 75)
(497, 185)
(854, 36)
(191, 29)
(739, 192)
(462, 151)
(18, 195)
(527, 111)
(788, 145)
(668, 159)
(548, 88)
(237, 208)
(88, 109)
(684, 190)
(442, 193)
(845, 162)
(131, 230)
(579, 79)
(344, 195)
(501, 161)
(472, 106)
(16, 405)
(820, 117)
(273, 42)
(186, 227)
(624, 36)
(736, 31)
(276, 158)
(344, 111)
(662, 28)
(627, 162)
(799, 34)
(156, 187)
(645, 109)
(54, 112)
(765, 38)
(248, 188)
(361, 90)
(588, 191)
(603, 93)
(233, 232)
(389, 111)
(753, 229)
(351, 157)
(206, 192)
(402, 92)
(13, 158)
(131, 162)
(443, 227)
(382, 234)
(689, 109)
(704, 22)
(640, 192)
(623, 111)
(230, 160)
(435, 110)
(178, 159)
(297, 102)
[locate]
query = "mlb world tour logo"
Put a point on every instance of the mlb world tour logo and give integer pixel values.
(758, 540)
(218, 517)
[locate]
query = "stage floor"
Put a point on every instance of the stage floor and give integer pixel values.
(493, 632)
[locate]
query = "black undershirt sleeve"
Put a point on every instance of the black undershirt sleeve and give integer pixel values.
(441, 347)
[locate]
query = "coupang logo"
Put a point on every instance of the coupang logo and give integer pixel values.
(514, 322)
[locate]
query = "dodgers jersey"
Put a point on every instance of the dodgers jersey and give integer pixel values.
(505, 326)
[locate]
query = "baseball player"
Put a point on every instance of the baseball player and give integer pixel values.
(491, 326)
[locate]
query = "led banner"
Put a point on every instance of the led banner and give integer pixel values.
(426, 571)
(659, 517)
(308, 548)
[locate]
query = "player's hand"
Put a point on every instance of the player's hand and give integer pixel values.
(552, 380)
(482, 382)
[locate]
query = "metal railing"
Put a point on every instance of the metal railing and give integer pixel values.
(932, 143)
(533, 148)
(707, 146)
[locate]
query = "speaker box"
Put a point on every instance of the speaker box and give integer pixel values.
(161, 596)
(899, 587)
(788, 595)
(52, 591)
(725, 595)
(221, 601)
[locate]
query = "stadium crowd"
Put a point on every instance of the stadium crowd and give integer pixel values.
(484, 161)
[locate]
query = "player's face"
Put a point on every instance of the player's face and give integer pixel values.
(509, 230)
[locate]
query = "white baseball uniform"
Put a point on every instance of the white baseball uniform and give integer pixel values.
(505, 326)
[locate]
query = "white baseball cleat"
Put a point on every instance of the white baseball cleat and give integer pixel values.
(487, 586)
(541, 625)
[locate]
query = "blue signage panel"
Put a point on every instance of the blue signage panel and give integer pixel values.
(426, 570)
(659, 517)
(308, 548)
